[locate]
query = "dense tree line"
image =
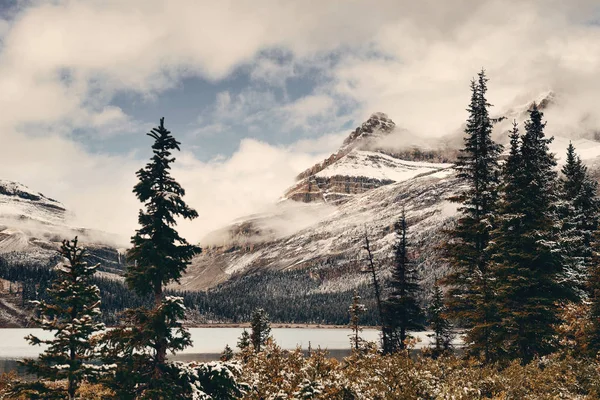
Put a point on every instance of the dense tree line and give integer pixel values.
(295, 298)
(522, 247)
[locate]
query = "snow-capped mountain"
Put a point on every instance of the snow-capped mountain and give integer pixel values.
(320, 222)
(32, 226)
(357, 167)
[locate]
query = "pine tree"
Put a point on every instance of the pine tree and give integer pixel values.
(227, 353)
(356, 309)
(469, 282)
(579, 211)
(261, 328)
(244, 340)
(402, 312)
(158, 256)
(439, 324)
(71, 313)
(528, 263)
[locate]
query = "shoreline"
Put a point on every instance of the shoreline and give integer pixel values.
(241, 325)
(276, 326)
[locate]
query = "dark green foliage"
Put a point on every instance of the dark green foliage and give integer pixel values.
(244, 340)
(219, 380)
(159, 255)
(227, 353)
(469, 282)
(578, 209)
(402, 311)
(260, 329)
(295, 299)
(439, 324)
(355, 310)
(132, 348)
(71, 313)
(528, 262)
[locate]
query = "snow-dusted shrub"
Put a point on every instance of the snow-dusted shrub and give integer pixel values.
(216, 380)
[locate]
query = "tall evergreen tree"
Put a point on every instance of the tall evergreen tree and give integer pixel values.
(71, 313)
(528, 263)
(260, 329)
(469, 282)
(356, 309)
(579, 210)
(159, 255)
(442, 329)
(402, 311)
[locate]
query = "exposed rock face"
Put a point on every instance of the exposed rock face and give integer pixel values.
(376, 126)
(334, 189)
(331, 247)
(356, 167)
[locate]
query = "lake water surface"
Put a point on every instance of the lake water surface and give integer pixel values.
(208, 343)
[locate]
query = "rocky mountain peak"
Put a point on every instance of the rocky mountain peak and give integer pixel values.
(377, 124)
(17, 190)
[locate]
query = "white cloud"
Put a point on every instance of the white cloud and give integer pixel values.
(61, 62)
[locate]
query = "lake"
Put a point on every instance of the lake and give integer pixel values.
(208, 343)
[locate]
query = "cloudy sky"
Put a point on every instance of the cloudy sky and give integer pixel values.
(258, 90)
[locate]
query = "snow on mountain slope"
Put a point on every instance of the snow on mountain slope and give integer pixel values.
(351, 170)
(369, 164)
(18, 201)
(32, 226)
(366, 189)
(333, 244)
(360, 187)
(588, 150)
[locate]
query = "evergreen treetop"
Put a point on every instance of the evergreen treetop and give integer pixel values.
(579, 210)
(402, 311)
(159, 254)
(442, 328)
(261, 329)
(528, 263)
(470, 284)
(72, 313)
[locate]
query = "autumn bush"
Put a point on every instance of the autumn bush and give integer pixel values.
(275, 373)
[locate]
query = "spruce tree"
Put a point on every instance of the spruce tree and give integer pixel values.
(159, 256)
(579, 210)
(470, 291)
(261, 329)
(227, 353)
(442, 329)
(244, 340)
(71, 313)
(528, 262)
(355, 310)
(402, 311)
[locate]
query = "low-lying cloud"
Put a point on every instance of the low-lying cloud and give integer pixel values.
(62, 62)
